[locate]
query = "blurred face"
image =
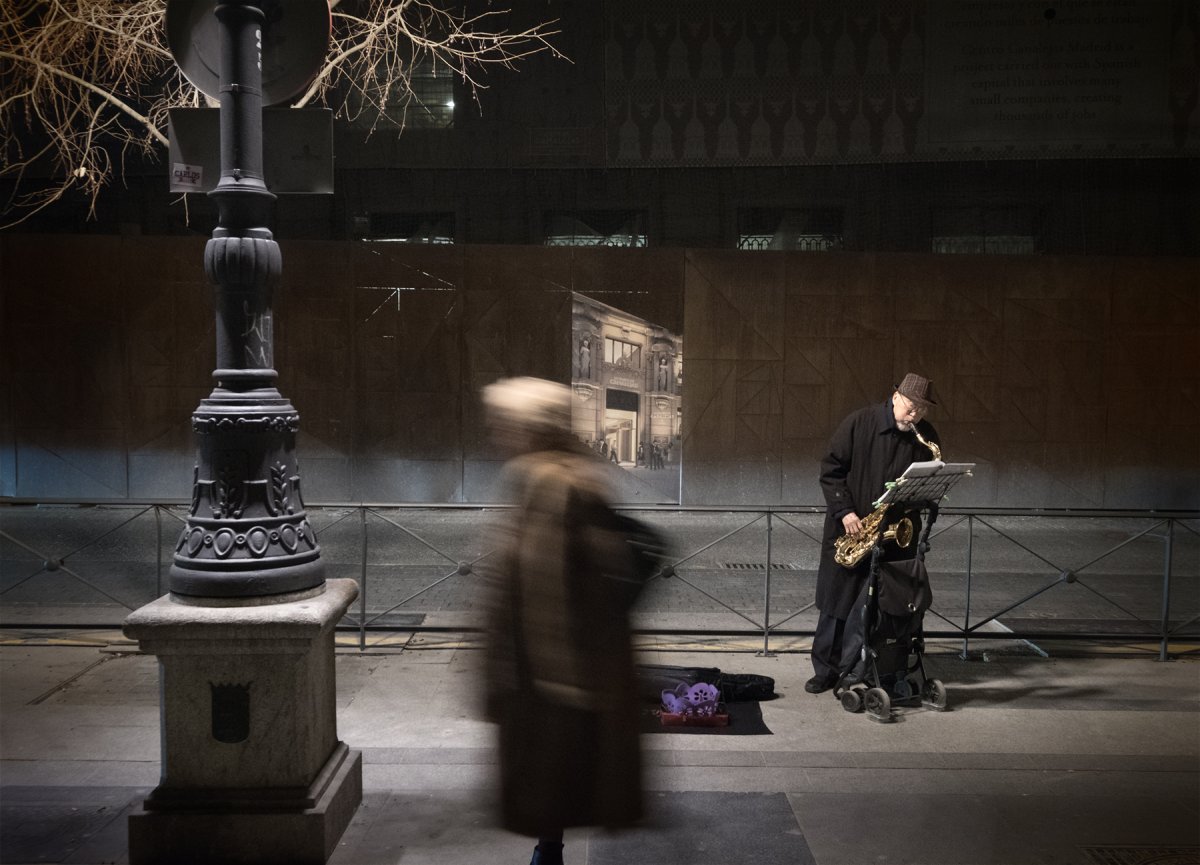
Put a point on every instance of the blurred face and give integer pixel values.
(510, 438)
(906, 411)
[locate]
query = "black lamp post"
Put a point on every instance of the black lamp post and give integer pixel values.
(252, 766)
(247, 535)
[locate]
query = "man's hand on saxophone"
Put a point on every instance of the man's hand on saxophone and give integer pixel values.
(851, 523)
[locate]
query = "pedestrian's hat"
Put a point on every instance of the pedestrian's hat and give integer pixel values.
(531, 403)
(918, 389)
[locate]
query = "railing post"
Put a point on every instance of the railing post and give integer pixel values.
(967, 612)
(158, 549)
(362, 593)
(1166, 592)
(766, 649)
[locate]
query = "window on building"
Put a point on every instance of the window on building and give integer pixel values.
(429, 227)
(621, 353)
(595, 228)
(431, 104)
(427, 103)
(803, 229)
(985, 230)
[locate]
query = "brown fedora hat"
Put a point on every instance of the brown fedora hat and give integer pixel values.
(918, 389)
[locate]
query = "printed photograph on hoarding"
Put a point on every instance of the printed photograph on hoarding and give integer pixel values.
(627, 378)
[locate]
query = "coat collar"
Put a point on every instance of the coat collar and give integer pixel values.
(885, 419)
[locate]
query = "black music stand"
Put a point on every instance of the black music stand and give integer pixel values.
(923, 485)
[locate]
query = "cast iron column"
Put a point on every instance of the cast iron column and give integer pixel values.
(247, 535)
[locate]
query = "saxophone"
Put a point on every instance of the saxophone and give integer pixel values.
(849, 549)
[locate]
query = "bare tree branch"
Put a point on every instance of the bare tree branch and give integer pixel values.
(100, 93)
(82, 80)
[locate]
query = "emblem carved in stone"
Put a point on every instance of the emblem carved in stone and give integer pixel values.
(230, 712)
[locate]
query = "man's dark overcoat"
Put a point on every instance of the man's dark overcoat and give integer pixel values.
(866, 452)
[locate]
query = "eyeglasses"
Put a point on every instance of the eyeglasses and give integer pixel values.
(912, 408)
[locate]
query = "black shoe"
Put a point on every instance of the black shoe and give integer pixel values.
(547, 854)
(820, 684)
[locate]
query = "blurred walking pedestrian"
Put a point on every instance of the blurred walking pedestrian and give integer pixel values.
(560, 678)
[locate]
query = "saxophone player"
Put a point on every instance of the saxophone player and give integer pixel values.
(870, 447)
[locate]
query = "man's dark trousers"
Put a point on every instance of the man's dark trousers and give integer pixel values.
(827, 646)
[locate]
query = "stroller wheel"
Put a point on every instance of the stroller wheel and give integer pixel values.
(934, 694)
(851, 700)
(903, 689)
(878, 704)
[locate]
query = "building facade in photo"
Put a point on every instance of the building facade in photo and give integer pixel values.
(627, 376)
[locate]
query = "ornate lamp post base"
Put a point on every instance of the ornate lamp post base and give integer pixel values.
(253, 771)
(247, 534)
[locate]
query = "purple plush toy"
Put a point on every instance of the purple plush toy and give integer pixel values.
(698, 699)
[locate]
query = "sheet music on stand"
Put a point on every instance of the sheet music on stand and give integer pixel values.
(925, 482)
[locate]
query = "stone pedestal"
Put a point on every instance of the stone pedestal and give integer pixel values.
(252, 769)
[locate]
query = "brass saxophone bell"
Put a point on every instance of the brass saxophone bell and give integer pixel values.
(901, 532)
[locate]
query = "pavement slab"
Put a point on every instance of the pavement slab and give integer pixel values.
(1076, 760)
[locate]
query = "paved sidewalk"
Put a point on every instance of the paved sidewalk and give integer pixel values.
(1087, 760)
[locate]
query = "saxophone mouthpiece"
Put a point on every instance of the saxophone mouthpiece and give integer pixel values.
(934, 449)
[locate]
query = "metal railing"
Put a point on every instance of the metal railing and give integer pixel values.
(1037, 575)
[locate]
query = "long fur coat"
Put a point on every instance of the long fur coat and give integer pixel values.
(560, 676)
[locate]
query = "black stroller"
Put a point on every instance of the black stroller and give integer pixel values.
(884, 643)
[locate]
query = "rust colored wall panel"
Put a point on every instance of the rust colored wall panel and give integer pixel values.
(1072, 382)
(1033, 358)
(647, 283)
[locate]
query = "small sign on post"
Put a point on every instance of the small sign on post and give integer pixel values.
(297, 150)
(187, 178)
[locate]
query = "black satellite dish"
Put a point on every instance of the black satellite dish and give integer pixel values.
(295, 39)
